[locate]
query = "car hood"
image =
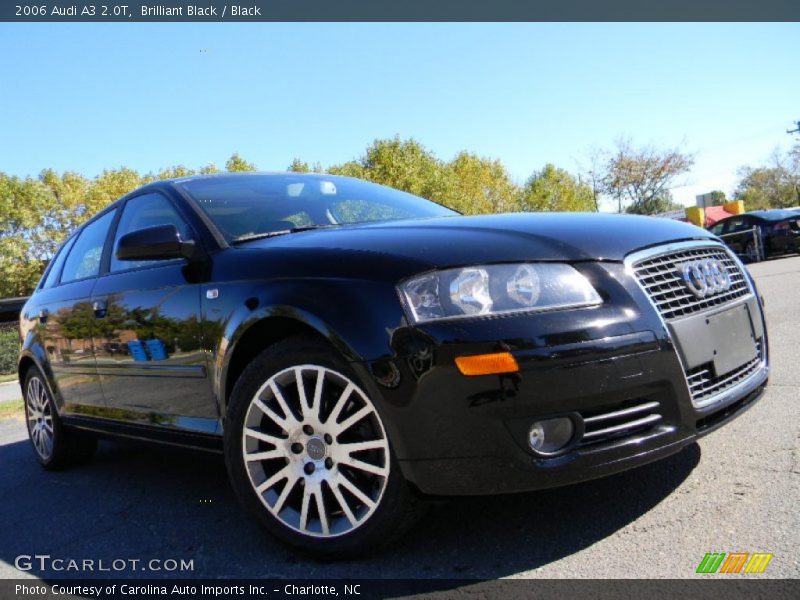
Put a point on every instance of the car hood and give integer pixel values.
(455, 241)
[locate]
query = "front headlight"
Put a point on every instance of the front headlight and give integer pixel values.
(496, 290)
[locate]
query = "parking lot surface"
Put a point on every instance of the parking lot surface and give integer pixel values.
(736, 490)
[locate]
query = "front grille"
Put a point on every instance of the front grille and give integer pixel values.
(619, 421)
(704, 384)
(661, 280)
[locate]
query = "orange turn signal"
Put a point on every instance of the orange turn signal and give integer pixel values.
(487, 364)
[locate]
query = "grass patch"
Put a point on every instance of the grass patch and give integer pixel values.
(11, 409)
(8, 377)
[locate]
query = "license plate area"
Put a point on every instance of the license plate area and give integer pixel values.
(725, 339)
(733, 339)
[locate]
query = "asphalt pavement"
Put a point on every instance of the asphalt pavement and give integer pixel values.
(737, 490)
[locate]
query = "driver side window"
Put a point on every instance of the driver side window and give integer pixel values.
(141, 212)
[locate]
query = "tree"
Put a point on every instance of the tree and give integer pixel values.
(554, 189)
(37, 214)
(641, 176)
(237, 164)
(477, 185)
(718, 197)
(594, 174)
(774, 186)
(209, 169)
(299, 166)
(169, 173)
(653, 206)
(402, 164)
(108, 186)
(30, 228)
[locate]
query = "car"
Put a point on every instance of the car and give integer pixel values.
(779, 230)
(355, 351)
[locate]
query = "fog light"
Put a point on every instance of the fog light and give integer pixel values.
(547, 437)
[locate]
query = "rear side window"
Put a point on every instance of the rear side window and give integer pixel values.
(141, 212)
(58, 262)
(717, 229)
(84, 257)
(736, 224)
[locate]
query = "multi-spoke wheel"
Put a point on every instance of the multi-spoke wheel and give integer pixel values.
(309, 454)
(54, 445)
(39, 411)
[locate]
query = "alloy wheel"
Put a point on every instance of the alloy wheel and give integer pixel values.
(40, 418)
(315, 451)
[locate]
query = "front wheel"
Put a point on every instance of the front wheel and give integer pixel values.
(309, 456)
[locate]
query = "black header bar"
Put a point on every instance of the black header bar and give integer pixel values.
(398, 10)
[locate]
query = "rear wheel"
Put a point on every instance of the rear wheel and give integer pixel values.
(55, 446)
(309, 456)
(750, 252)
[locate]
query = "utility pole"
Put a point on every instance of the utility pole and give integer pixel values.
(797, 184)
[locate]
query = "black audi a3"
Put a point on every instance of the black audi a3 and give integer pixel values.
(353, 349)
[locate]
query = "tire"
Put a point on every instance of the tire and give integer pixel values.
(340, 506)
(54, 445)
(750, 252)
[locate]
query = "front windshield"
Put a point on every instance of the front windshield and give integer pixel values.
(254, 205)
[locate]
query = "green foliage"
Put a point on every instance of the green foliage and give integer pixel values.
(405, 165)
(9, 351)
(299, 166)
(209, 169)
(170, 173)
(469, 184)
(237, 164)
(655, 205)
(477, 185)
(37, 214)
(775, 186)
(553, 189)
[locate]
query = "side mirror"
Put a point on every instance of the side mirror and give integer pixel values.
(154, 243)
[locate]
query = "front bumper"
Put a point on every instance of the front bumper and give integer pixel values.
(457, 435)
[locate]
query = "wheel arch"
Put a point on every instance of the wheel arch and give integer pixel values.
(263, 331)
(31, 358)
(24, 364)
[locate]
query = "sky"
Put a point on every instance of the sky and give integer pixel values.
(86, 97)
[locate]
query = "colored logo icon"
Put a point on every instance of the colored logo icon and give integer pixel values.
(734, 562)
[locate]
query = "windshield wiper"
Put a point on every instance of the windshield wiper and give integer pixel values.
(266, 234)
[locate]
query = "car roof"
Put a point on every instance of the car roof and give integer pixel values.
(774, 214)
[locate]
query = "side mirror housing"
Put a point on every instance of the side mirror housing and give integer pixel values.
(162, 242)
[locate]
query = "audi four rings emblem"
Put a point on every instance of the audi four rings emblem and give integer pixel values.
(705, 277)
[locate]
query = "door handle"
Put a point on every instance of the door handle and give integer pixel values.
(43, 314)
(100, 307)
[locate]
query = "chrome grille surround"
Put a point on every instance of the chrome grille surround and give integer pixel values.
(654, 269)
(660, 278)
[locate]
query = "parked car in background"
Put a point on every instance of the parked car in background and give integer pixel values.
(780, 232)
(352, 348)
